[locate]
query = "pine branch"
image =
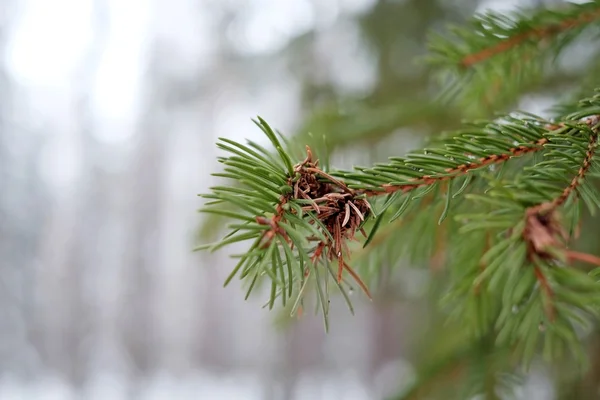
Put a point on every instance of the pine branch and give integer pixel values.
(543, 233)
(507, 247)
(461, 169)
(492, 61)
(301, 222)
(530, 268)
(549, 207)
(540, 34)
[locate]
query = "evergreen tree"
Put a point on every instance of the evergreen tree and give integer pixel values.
(498, 208)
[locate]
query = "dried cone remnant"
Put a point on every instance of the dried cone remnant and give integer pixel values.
(340, 209)
(337, 207)
(543, 232)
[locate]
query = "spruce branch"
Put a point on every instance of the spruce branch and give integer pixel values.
(494, 210)
(519, 282)
(548, 207)
(491, 61)
(461, 169)
(303, 220)
(513, 276)
(539, 33)
(542, 229)
(530, 266)
(544, 234)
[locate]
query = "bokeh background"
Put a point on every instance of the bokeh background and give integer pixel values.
(109, 111)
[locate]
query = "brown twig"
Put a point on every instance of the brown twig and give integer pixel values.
(550, 206)
(583, 169)
(461, 169)
(584, 257)
(538, 33)
(270, 234)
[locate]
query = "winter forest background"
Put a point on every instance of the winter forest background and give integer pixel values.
(109, 111)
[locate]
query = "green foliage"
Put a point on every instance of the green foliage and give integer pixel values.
(493, 208)
(496, 57)
(277, 226)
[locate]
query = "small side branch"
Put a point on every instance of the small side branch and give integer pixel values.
(585, 166)
(461, 169)
(544, 234)
(537, 33)
(550, 206)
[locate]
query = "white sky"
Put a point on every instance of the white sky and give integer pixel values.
(45, 56)
(50, 40)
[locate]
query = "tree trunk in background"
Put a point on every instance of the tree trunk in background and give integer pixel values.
(91, 211)
(143, 258)
(21, 212)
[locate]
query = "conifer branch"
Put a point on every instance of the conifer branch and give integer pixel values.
(510, 263)
(492, 61)
(542, 229)
(540, 34)
(528, 266)
(462, 169)
(330, 211)
(301, 222)
(592, 122)
(543, 232)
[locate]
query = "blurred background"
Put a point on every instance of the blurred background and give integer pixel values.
(109, 111)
